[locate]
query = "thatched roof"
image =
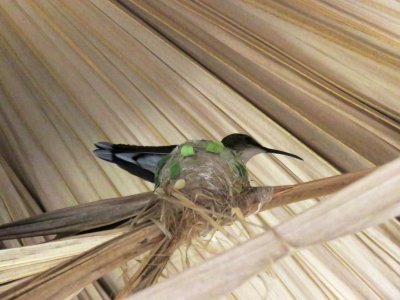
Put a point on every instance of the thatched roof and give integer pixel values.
(313, 78)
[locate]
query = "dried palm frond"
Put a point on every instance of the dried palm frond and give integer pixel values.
(349, 211)
(141, 208)
(321, 72)
(321, 83)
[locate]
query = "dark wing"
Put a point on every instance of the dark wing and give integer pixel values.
(140, 161)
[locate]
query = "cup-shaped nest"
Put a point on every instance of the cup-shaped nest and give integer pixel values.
(210, 175)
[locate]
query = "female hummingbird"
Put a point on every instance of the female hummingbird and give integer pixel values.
(143, 161)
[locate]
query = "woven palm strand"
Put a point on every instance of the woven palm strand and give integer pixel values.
(69, 78)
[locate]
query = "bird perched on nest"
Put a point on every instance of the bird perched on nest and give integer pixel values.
(143, 161)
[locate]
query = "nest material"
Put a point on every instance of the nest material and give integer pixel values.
(200, 185)
(206, 181)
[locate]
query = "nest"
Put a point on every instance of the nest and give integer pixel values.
(200, 187)
(201, 184)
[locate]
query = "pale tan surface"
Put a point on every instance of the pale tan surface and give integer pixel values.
(76, 72)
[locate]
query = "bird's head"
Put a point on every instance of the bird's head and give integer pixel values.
(239, 141)
(247, 147)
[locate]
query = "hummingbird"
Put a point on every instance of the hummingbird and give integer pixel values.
(143, 161)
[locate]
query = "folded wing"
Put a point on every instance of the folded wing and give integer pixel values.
(140, 161)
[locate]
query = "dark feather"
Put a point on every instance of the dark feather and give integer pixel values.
(140, 161)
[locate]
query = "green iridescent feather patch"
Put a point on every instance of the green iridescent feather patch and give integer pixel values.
(175, 169)
(187, 150)
(215, 147)
(241, 169)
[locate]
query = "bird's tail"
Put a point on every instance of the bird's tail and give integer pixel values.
(104, 151)
(123, 156)
(116, 152)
